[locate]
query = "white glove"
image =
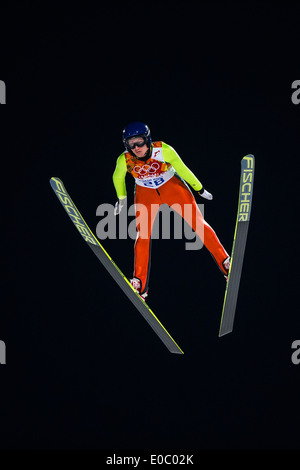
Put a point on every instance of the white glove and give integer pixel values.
(119, 205)
(206, 194)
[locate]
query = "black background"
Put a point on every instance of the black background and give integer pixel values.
(84, 370)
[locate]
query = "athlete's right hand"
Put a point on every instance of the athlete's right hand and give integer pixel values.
(119, 206)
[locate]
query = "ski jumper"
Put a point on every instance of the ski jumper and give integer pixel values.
(161, 180)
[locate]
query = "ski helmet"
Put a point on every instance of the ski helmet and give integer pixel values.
(136, 129)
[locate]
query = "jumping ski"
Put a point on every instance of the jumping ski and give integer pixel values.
(239, 244)
(112, 268)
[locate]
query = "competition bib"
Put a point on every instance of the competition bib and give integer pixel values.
(152, 173)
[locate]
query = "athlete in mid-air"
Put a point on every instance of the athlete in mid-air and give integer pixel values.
(160, 177)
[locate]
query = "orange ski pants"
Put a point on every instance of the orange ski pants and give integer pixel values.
(173, 193)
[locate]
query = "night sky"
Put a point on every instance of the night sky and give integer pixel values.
(84, 370)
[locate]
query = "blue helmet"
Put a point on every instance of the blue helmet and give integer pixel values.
(135, 129)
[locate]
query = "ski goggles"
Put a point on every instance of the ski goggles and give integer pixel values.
(139, 143)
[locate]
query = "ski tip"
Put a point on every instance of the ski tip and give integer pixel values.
(56, 183)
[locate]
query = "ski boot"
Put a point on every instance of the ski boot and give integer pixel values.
(136, 284)
(226, 266)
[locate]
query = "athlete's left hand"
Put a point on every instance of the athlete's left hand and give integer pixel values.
(205, 194)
